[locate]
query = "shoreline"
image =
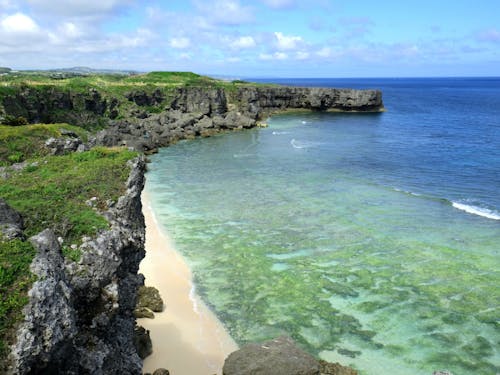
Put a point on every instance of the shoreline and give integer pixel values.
(187, 337)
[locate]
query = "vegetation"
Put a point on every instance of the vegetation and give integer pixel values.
(51, 192)
(25, 142)
(15, 280)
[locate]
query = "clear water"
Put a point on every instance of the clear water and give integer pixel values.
(373, 240)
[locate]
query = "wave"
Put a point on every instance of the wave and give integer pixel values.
(280, 133)
(473, 209)
(476, 210)
(303, 144)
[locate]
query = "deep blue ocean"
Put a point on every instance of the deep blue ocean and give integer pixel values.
(371, 239)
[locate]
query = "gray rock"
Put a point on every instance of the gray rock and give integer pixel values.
(276, 357)
(50, 318)
(442, 372)
(142, 342)
(149, 297)
(11, 222)
(162, 371)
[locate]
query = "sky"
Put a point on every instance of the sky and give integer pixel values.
(259, 38)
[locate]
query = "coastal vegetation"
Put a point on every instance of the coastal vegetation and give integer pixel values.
(63, 192)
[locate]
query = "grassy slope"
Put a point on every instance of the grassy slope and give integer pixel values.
(50, 193)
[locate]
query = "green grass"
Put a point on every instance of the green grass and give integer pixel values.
(53, 194)
(15, 280)
(18, 143)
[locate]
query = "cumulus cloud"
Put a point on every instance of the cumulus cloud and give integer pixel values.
(243, 42)
(287, 42)
(324, 52)
(19, 23)
(226, 12)
(180, 43)
(274, 56)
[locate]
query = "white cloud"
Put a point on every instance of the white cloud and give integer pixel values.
(243, 42)
(274, 56)
(287, 42)
(225, 12)
(180, 43)
(19, 23)
(302, 55)
(324, 52)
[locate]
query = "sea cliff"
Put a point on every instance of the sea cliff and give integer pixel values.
(79, 316)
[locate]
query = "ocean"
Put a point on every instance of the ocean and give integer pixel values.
(371, 239)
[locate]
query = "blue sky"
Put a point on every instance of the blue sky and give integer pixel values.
(280, 38)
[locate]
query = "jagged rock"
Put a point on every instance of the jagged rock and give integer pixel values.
(142, 98)
(161, 371)
(327, 368)
(276, 357)
(79, 319)
(149, 297)
(11, 222)
(142, 342)
(143, 312)
(60, 146)
(50, 318)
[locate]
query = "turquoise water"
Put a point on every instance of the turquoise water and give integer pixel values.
(314, 228)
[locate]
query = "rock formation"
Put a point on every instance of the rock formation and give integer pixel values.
(79, 319)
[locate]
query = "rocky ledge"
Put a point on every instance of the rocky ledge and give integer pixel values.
(195, 111)
(79, 318)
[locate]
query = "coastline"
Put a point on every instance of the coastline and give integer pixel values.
(187, 337)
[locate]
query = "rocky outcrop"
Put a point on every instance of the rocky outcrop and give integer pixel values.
(279, 357)
(79, 319)
(11, 222)
(196, 111)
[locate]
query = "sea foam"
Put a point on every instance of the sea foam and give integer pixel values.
(475, 210)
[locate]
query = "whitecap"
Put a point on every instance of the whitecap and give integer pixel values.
(279, 133)
(475, 210)
(303, 144)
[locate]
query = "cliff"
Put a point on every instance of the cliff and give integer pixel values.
(79, 318)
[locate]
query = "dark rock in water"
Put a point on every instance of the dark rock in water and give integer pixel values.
(162, 371)
(143, 312)
(348, 353)
(327, 368)
(276, 357)
(142, 342)
(149, 297)
(445, 372)
(11, 222)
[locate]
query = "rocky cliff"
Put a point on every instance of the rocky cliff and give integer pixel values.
(79, 319)
(150, 119)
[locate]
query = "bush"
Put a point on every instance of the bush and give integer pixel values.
(14, 121)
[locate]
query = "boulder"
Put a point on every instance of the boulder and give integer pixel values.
(276, 357)
(142, 342)
(327, 368)
(11, 222)
(149, 297)
(161, 371)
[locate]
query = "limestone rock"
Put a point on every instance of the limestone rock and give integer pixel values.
(143, 312)
(276, 357)
(149, 297)
(11, 222)
(142, 342)
(50, 317)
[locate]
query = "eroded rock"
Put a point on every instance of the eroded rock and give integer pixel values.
(149, 297)
(11, 222)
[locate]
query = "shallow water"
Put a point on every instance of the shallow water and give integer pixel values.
(352, 233)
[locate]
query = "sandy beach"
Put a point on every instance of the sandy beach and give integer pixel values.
(187, 337)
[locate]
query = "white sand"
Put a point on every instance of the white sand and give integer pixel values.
(187, 337)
